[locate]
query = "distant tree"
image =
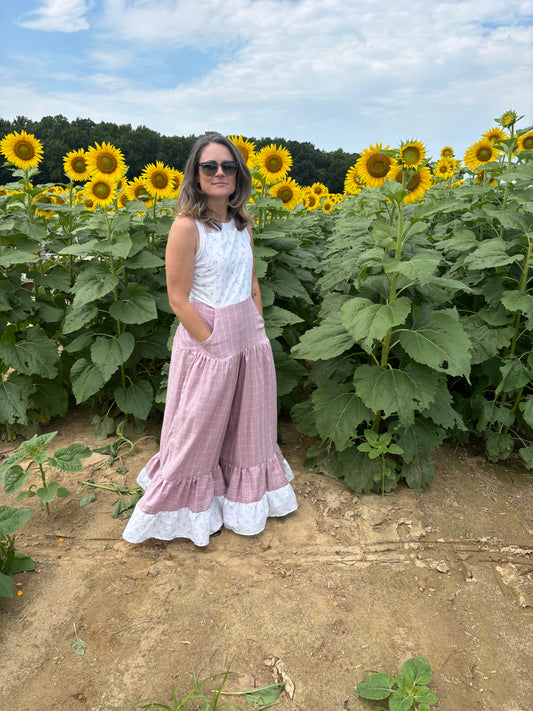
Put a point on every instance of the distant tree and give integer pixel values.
(142, 145)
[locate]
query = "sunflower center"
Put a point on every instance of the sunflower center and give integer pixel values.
(24, 150)
(413, 183)
(140, 192)
(410, 155)
(285, 194)
(159, 180)
(378, 166)
(102, 191)
(528, 143)
(79, 165)
(274, 164)
(107, 163)
(447, 153)
(484, 154)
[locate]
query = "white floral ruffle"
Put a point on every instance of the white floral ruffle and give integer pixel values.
(247, 519)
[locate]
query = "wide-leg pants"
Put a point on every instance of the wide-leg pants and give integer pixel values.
(219, 463)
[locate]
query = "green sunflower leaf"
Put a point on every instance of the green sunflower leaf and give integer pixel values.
(136, 305)
(109, 353)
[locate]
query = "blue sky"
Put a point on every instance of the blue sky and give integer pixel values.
(338, 73)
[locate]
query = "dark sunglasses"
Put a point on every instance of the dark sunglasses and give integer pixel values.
(229, 167)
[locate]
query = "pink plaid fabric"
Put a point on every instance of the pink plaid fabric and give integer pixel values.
(219, 462)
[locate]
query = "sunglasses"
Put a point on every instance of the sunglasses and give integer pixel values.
(229, 167)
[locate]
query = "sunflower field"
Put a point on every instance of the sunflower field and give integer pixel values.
(400, 311)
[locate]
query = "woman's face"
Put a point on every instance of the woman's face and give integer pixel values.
(219, 185)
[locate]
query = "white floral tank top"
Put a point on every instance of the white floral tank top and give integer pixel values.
(223, 266)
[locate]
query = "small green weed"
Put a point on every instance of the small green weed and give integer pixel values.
(11, 561)
(125, 504)
(406, 691)
(261, 698)
(197, 697)
(34, 451)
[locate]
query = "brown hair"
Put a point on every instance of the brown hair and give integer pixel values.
(192, 201)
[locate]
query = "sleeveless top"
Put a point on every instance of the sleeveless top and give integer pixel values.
(223, 266)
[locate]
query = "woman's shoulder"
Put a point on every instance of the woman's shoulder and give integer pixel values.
(184, 229)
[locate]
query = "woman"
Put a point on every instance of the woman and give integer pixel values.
(219, 463)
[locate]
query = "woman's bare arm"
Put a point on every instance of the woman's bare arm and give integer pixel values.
(179, 263)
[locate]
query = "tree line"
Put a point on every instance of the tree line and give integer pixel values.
(142, 145)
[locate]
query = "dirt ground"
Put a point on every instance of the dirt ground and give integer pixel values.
(342, 587)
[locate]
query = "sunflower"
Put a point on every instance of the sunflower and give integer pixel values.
(446, 152)
(83, 199)
(319, 189)
(525, 142)
(327, 204)
(444, 168)
(122, 199)
(310, 200)
(100, 191)
(417, 184)
(274, 163)
(480, 153)
(75, 165)
(106, 161)
(508, 118)
(246, 148)
(136, 190)
(485, 178)
(40, 204)
(495, 135)
(158, 180)
(22, 149)
(352, 183)
(176, 179)
(373, 166)
(412, 153)
(289, 192)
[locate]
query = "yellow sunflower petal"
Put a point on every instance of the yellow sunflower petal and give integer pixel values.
(289, 192)
(106, 161)
(76, 166)
(319, 189)
(136, 190)
(525, 142)
(22, 149)
(328, 204)
(100, 191)
(176, 179)
(373, 166)
(352, 183)
(444, 168)
(417, 184)
(273, 162)
(246, 148)
(480, 153)
(495, 135)
(158, 180)
(412, 153)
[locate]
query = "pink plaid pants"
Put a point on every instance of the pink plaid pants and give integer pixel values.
(219, 463)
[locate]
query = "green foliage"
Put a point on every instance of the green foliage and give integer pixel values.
(11, 561)
(406, 691)
(39, 463)
(423, 328)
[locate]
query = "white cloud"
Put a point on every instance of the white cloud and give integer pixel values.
(332, 72)
(59, 16)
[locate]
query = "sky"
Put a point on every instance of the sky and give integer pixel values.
(337, 73)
